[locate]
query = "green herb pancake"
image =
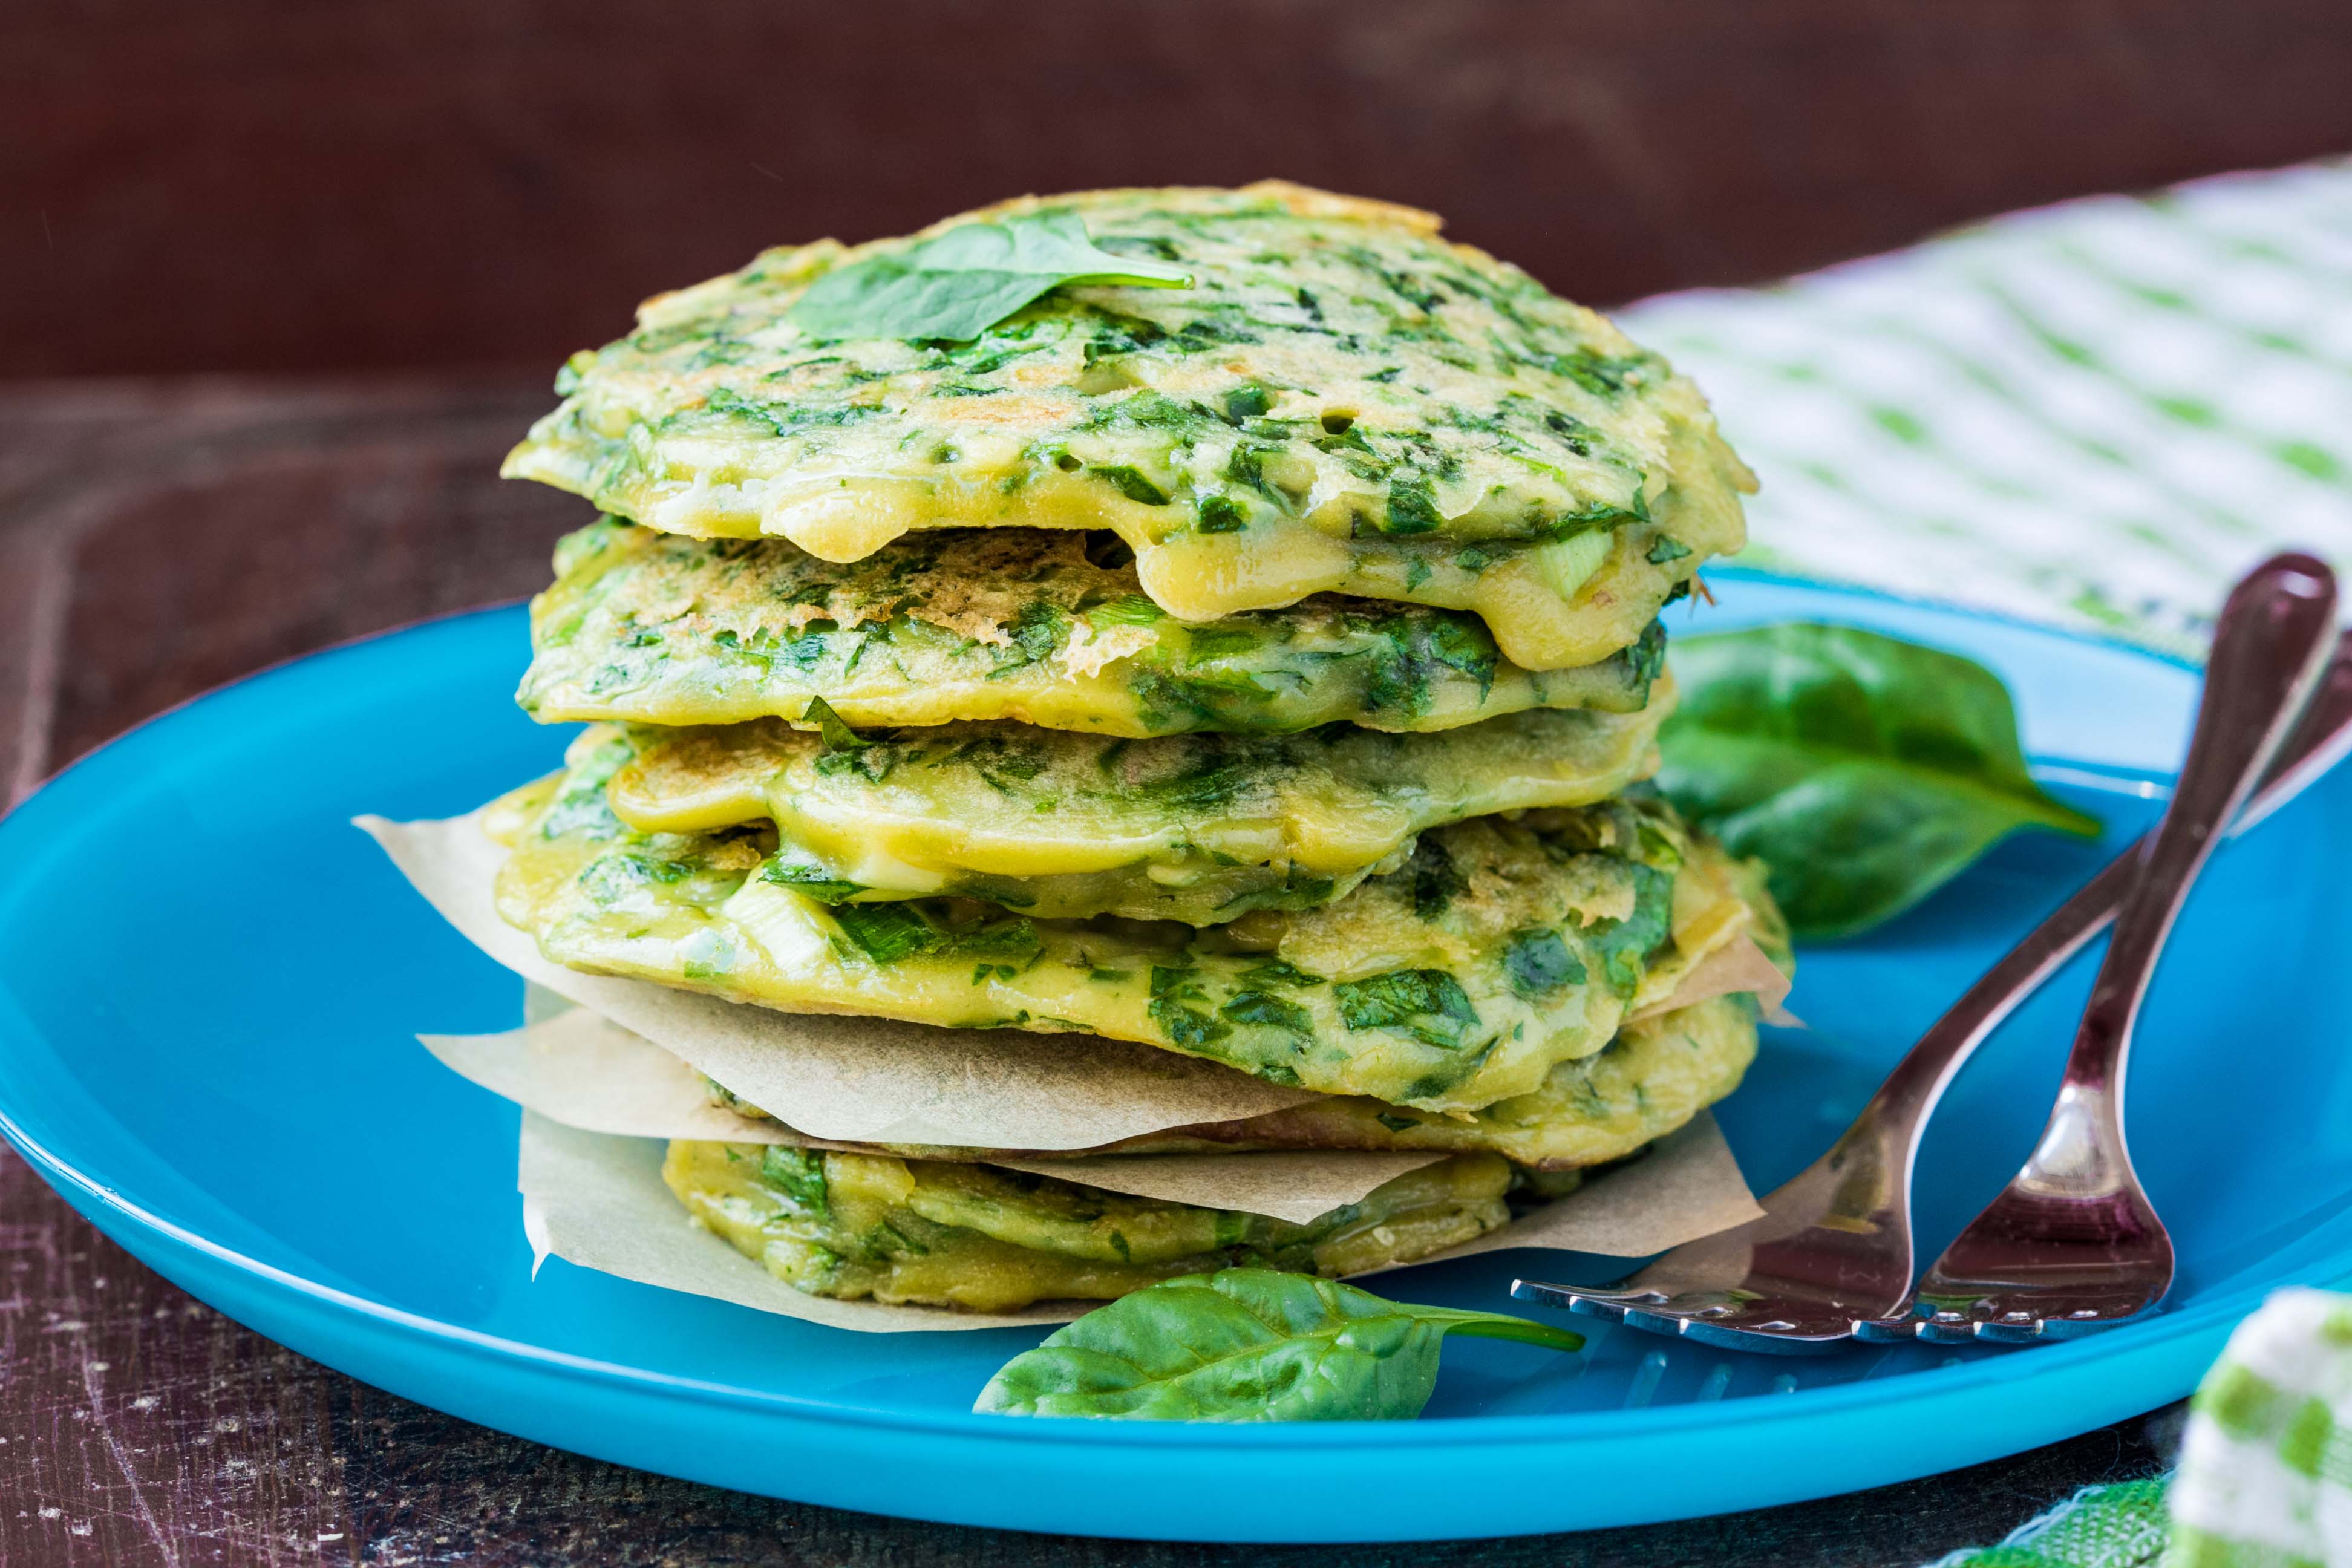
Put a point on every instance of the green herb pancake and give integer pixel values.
(988, 1239)
(1497, 950)
(1198, 828)
(1340, 402)
(1656, 1074)
(971, 624)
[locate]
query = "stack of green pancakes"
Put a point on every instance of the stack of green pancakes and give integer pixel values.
(1264, 670)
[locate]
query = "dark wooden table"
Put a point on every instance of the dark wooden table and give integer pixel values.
(158, 539)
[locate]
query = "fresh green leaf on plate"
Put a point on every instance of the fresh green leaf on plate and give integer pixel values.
(1864, 770)
(958, 284)
(1247, 1344)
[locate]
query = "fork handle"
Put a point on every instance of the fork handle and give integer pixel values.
(1910, 1093)
(2267, 651)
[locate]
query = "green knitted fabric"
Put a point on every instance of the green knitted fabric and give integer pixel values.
(2120, 1526)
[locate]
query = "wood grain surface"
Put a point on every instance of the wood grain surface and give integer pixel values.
(327, 184)
(158, 539)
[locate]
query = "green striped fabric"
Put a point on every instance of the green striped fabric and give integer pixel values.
(2097, 413)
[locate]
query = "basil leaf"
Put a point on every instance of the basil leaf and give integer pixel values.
(1866, 771)
(959, 284)
(1247, 1345)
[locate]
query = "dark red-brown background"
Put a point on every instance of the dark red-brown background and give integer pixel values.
(320, 185)
(277, 282)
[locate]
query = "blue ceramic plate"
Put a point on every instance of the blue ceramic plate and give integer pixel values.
(209, 985)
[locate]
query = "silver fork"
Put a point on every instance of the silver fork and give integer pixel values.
(2073, 1245)
(1831, 1255)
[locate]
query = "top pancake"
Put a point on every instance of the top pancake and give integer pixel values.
(1342, 402)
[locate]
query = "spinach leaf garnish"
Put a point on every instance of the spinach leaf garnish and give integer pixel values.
(956, 285)
(807, 877)
(799, 1175)
(1172, 988)
(1011, 936)
(834, 733)
(888, 933)
(1411, 509)
(1429, 1005)
(1129, 481)
(1270, 1011)
(1435, 881)
(1129, 610)
(1247, 1344)
(1220, 514)
(1624, 945)
(1274, 971)
(1539, 963)
(1647, 656)
(1246, 400)
(1866, 771)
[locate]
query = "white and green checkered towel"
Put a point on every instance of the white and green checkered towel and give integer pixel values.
(2266, 1477)
(2096, 415)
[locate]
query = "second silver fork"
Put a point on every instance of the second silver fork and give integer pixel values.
(2073, 1245)
(1832, 1255)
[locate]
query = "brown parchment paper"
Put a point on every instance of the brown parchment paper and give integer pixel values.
(1686, 1187)
(582, 1070)
(598, 1201)
(1739, 967)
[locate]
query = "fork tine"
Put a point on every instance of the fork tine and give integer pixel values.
(2012, 1333)
(1609, 1304)
(1887, 1331)
(2065, 1328)
(2073, 1245)
(1778, 1342)
(1967, 1333)
(2024, 1330)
